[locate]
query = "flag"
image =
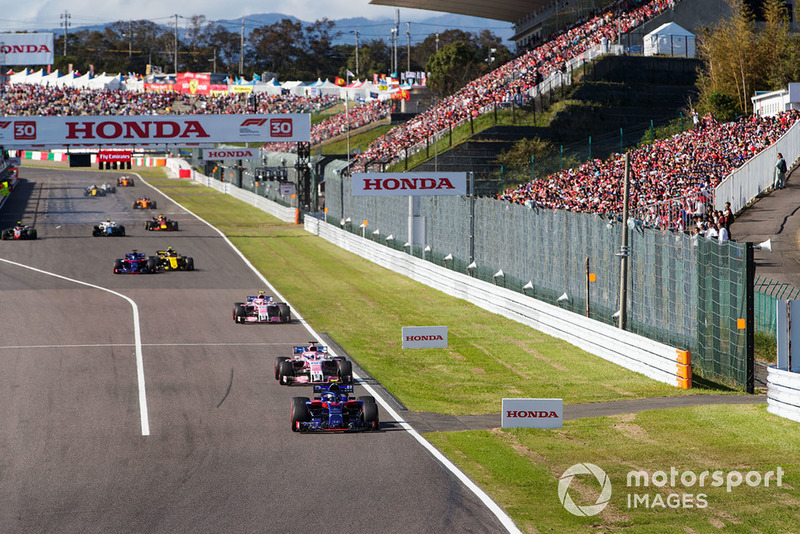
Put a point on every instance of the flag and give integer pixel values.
(339, 81)
(350, 73)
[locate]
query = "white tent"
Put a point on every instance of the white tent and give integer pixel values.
(50, 79)
(669, 40)
(105, 81)
(81, 82)
(66, 80)
(327, 88)
(18, 77)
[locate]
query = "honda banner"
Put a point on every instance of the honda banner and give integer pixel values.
(424, 337)
(230, 153)
(533, 413)
(180, 130)
(404, 184)
(26, 48)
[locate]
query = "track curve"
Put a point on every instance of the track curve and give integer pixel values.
(220, 456)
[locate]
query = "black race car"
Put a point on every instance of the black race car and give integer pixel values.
(334, 410)
(20, 231)
(161, 223)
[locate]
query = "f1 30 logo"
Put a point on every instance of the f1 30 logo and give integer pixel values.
(280, 127)
(25, 130)
(4, 124)
(254, 122)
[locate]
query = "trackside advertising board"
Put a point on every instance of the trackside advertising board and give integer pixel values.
(24, 132)
(424, 337)
(230, 153)
(533, 413)
(26, 48)
(404, 184)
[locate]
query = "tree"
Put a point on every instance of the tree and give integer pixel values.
(451, 69)
(277, 46)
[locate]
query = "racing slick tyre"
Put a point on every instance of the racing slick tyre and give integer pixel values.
(5, 234)
(33, 234)
(190, 264)
(121, 230)
(300, 413)
(345, 371)
(285, 373)
(175, 225)
(278, 361)
(239, 312)
(152, 205)
(148, 225)
(367, 399)
(95, 231)
(151, 265)
(370, 415)
(285, 314)
(117, 266)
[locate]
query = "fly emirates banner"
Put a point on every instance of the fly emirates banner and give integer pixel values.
(25, 132)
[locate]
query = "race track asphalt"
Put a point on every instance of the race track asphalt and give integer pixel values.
(219, 455)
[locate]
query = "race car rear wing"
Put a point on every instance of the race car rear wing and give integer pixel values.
(307, 348)
(343, 388)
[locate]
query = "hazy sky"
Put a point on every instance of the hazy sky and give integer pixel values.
(45, 14)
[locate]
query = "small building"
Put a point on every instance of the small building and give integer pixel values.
(769, 104)
(669, 40)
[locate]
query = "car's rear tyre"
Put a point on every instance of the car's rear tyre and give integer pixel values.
(117, 266)
(190, 264)
(122, 231)
(175, 226)
(283, 311)
(367, 398)
(5, 234)
(286, 373)
(370, 414)
(300, 413)
(345, 370)
(33, 234)
(153, 205)
(278, 361)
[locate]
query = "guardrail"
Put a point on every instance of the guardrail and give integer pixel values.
(650, 358)
(287, 214)
(783, 393)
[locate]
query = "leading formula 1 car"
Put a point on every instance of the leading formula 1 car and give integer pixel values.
(170, 260)
(108, 228)
(311, 364)
(135, 263)
(334, 410)
(161, 223)
(125, 181)
(261, 309)
(20, 231)
(144, 203)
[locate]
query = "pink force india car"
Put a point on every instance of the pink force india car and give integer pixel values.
(261, 309)
(311, 364)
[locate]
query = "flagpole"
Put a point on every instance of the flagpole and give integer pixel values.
(347, 119)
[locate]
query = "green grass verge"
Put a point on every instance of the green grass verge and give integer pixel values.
(364, 307)
(520, 468)
(359, 141)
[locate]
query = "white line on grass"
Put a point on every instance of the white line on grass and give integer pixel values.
(504, 518)
(136, 334)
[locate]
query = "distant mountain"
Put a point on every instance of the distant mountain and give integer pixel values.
(368, 29)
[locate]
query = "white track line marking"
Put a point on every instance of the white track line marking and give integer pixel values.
(136, 334)
(504, 518)
(103, 345)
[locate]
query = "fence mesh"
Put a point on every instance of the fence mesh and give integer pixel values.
(686, 293)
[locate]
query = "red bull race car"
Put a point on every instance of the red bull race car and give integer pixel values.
(20, 231)
(161, 224)
(311, 364)
(135, 263)
(261, 309)
(334, 410)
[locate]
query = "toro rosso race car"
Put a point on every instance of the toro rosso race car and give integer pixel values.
(20, 231)
(261, 309)
(170, 260)
(144, 203)
(311, 364)
(125, 181)
(161, 223)
(135, 263)
(334, 410)
(108, 228)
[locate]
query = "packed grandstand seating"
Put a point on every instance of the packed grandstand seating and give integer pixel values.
(41, 100)
(514, 78)
(672, 180)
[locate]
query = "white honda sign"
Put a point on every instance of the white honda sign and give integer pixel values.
(404, 184)
(26, 48)
(130, 130)
(232, 153)
(533, 413)
(424, 337)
